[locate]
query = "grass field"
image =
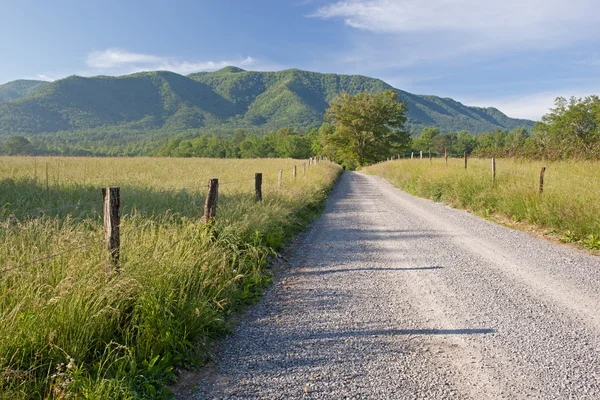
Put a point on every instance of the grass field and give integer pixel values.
(66, 332)
(567, 208)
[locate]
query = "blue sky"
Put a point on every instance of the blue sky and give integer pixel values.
(517, 55)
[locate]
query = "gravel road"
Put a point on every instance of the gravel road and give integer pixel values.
(390, 296)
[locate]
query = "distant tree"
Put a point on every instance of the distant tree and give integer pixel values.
(465, 142)
(515, 141)
(444, 142)
(425, 141)
(17, 146)
(571, 129)
(368, 127)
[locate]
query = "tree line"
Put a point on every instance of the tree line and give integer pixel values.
(368, 128)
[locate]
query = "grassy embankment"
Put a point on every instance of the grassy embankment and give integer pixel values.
(568, 207)
(66, 332)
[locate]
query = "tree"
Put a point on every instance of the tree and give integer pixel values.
(465, 142)
(368, 127)
(571, 129)
(17, 146)
(425, 141)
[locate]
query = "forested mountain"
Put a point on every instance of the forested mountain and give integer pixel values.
(166, 104)
(17, 89)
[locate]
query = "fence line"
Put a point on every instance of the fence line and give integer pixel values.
(113, 206)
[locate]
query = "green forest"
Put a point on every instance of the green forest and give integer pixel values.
(138, 114)
(570, 130)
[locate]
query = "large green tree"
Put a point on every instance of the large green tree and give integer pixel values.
(571, 129)
(368, 127)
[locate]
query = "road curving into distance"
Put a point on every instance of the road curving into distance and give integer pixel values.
(390, 296)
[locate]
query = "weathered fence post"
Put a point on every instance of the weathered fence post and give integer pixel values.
(294, 171)
(210, 205)
(412, 155)
(421, 155)
(47, 183)
(112, 227)
(542, 179)
(446, 156)
(465, 160)
(279, 178)
(309, 161)
(304, 169)
(258, 186)
(430, 160)
(493, 171)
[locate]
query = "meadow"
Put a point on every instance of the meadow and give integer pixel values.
(66, 331)
(568, 208)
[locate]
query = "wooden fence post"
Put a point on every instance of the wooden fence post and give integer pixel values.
(493, 171)
(309, 161)
(210, 205)
(412, 155)
(112, 227)
(465, 160)
(542, 179)
(430, 160)
(421, 155)
(258, 186)
(279, 178)
(294, 172)
(446, 156)
(47, 185)
(304, 169)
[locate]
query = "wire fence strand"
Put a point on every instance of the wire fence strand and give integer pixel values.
(51, 256)
(32, 213)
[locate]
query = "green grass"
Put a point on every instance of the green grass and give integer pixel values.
(67, 332)
(567, 207)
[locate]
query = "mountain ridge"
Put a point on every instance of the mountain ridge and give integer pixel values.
(219, 101)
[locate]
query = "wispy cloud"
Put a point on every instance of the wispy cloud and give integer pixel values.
(408, 32)
(504, 21)
(43, 77)
(117, 60)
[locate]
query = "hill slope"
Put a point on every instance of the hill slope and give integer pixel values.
(20, 88)
(217, 101)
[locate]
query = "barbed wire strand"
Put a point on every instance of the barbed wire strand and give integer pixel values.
(51, 256)
(32, 213)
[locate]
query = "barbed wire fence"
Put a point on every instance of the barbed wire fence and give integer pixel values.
(112, 206)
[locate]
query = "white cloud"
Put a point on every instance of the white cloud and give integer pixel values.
(115, 58)
(401, 33)
(513, 21)
(43, 77)
(531, 106)
(123, 61)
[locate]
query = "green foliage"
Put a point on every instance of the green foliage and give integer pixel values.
(17, 146)
(425, 141)
(136, 113)
(20, 88)
(285, 143)
(67, 332)
(571, 129)
(368, 127)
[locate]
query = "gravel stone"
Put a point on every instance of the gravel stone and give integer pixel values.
(390, 296)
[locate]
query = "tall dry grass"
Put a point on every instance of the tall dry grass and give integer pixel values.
(568, 206)
(67, 332)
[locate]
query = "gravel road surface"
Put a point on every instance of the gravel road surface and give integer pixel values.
(390, 296)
